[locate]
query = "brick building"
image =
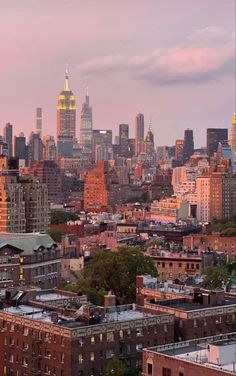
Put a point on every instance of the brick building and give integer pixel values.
(39, 261)
(212, 356)
(41, 339)
(198, 313)
(95, 189)
(213, 242)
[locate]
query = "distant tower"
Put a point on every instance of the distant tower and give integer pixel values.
(66, 120)
(139, 133)
(214, 136)
(7, 137)
(124, 139)
(149, 142)
(39, 121)
(232, 138)
(86, 126)
(188, 148)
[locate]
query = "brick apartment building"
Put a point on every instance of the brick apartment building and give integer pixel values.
(39, 339)
(179, 265)
(198, 313)
(213, 242)
(95, 189)
(212, 356)
(30, 259)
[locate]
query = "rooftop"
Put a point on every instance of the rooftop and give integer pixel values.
(28, 243)
(216, 352)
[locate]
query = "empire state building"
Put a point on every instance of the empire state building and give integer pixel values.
(66, 120)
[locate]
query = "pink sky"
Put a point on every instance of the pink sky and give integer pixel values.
(171, 60)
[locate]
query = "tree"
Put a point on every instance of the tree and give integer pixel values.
(115, 271)
(216, 277)
(61, 217)
(115, 367)
(56, 235)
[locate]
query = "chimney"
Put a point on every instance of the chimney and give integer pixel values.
(109, 300)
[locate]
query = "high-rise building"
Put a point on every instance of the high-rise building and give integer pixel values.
(232, 138)
(139, 133)
(48, 173)
(123, 140)
(39, 121)
(7, 137)
(20, 148)
(95, 189)
(3, 147)
(49, 147)
(214, 136)
(35, 147)
(188, 148)
(149, 142)
(86, 127)
(35, 195)
(216, 196)
(24, 203)
(179, 146)
(66, 120)
(102, 144)
(12, 208)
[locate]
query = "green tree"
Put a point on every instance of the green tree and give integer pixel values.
(115, 367)
(216, 277)
(61, 217)
(56, 235)
(115, 271)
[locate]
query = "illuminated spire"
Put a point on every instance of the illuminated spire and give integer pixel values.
(66, 83)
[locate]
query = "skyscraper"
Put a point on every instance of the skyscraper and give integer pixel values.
(179, 145)
(86, 126)
(35, 147)
(20, 149)
(139, 133)
(232, 138)
(214, 136)
(66, 120)
(7, 137)
(39, 121)
(123, 139)
(188, 148)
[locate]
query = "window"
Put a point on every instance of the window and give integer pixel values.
(110, 337)
(181, 374)
(149, 369)
(80, 358)
(92, 357)
(166, 371)
(92, 339)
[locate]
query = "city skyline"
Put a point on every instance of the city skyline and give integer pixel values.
(168, 69)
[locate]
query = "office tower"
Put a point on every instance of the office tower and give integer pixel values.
(232, 138)
(39, 121)
(139, 133)
(117, 140)
(123, 140)
(188, 148)
(95, 189)
(214, 136)
(86, 127)
(66, 120)
(35, 195)
(216, 196)
(49, 147)
(7, 137)
(35, 147)
(179, 146)
(20, 149)
(101, 138)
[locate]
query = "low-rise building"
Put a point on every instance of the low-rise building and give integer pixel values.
(211, 356)
(170, 210)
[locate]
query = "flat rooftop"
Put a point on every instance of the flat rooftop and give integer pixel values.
(198, 351)
(50, 297)
(185, 305)
(104, 315)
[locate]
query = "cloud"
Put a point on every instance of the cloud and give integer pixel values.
(211, 33)
(166, 66)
